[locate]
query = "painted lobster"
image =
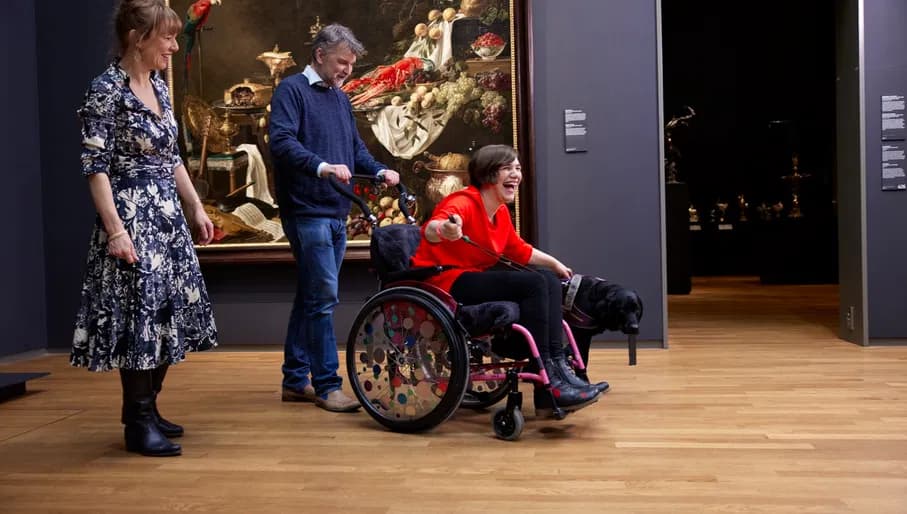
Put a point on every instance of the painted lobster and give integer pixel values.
(383, 78)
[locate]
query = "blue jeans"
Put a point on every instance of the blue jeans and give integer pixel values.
(310, 347)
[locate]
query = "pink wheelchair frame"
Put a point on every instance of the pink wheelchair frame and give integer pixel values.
(412, 363)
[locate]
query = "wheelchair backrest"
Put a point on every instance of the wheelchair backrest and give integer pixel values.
(392, 247)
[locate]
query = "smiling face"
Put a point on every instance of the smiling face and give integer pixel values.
(156, 49)
(146, 34)
(505, 188)
(334, 65)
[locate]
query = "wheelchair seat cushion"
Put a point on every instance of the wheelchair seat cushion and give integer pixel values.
(486, 317)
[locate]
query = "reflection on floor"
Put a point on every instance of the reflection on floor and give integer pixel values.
(732, 310)
(756, 407)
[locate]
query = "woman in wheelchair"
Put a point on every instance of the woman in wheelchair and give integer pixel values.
(470, 231)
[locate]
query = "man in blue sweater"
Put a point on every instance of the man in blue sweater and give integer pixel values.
(313, 136)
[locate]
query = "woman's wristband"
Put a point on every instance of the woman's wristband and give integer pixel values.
(111, 237)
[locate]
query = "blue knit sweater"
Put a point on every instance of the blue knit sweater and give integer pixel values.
(311, 124)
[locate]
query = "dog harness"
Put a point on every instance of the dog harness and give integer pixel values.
(573, 315)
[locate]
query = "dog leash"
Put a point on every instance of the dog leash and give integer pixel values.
(573, 312)
(500, 258)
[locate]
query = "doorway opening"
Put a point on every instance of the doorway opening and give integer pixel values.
(749, 106)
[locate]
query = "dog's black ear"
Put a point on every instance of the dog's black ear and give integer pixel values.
(598, 288)
(588, 294)
(608, 288)
(624, 310)
(606, 314)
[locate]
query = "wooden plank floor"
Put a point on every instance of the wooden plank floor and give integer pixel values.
(756, 407)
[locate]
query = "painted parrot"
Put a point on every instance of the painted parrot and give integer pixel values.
(196, 17)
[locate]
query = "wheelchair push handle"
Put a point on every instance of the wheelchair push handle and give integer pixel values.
(405, 197)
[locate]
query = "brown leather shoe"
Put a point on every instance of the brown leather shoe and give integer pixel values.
(307, 394)
(336, 401)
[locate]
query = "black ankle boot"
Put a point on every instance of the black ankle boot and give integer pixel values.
(141, 433)
(601, 386)
(143, 436)
(568, 396)
(566, 371)
(157, 383)
(578, 377)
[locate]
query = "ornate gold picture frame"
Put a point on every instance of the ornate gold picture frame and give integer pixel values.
(474, 89)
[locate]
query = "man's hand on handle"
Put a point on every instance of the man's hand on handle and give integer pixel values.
(338, 170)
(391, 177)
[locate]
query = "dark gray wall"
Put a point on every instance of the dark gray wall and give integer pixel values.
(72, 47)
(849, 169)
(22, 314)
(600, 211)
(885, 64)
(252, 303)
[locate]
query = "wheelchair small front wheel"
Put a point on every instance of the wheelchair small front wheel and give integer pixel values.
(508, 423)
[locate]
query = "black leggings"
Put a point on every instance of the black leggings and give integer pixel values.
(538, 294)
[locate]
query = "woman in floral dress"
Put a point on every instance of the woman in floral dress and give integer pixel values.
(144, 303)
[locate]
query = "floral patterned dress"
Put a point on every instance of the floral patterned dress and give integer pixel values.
(142, 315)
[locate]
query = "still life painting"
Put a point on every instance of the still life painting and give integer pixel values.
(438, 81)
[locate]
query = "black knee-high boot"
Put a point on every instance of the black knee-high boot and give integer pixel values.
(157, 382)
(141, 432)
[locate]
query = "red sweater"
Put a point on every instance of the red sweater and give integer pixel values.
(498, 236)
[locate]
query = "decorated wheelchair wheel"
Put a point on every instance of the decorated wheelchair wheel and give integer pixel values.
(481, 394)
(406, 361)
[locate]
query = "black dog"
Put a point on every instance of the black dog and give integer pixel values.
(593, 305)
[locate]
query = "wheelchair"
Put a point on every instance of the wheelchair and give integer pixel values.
(414, 355)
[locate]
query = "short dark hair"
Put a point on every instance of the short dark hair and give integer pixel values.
(487, 161)
(335, 35)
